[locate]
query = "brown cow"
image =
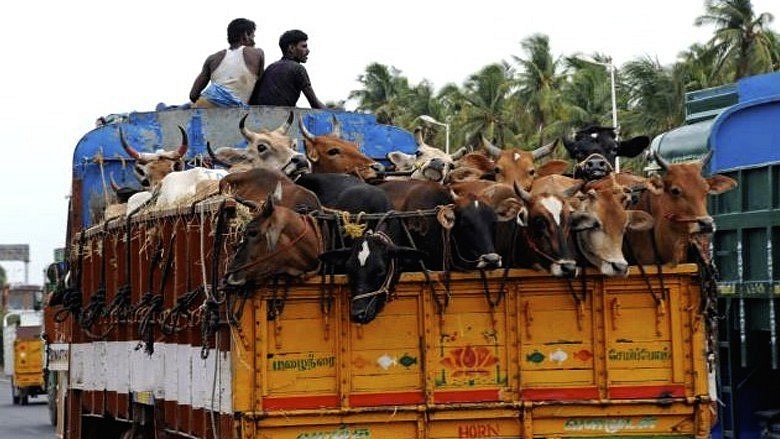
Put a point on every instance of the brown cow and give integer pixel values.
(600, 221)
(277, 241)
(516, 166)
(330, 153)
(150, 168)
(678, 203)
(256, 184)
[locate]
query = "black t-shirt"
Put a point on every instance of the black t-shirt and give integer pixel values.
(281, 84)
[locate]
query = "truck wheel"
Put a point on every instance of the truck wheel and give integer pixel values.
(15, 393)
(25, 399)
(51, 393)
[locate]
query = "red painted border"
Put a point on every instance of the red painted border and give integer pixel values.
(481, 395)
(387, 398)
(560, 393)
(632, 392)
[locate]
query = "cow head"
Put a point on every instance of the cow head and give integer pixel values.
(546, 223)
(267, 149)
(150, 168)
(472, 225)
(678, 203)
(428, 162)
(599, 223)
(516, 166)
(277, 241)
(595, 149)
(331, 153)
(373, 265)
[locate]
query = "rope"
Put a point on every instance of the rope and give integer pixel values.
(353, 229)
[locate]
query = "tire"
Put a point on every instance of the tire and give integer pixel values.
(25, 398)
(51, 395)
(15, 397)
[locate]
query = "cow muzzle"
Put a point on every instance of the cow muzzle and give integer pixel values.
(705, 225)
(595, 167)
(489, 261)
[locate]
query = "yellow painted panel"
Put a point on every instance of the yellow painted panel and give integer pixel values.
(302, 371)
(613, 425)
(459, 366)
(388, 331)
(558, 356)
(471, 425)
(644, 376)
(555, 378)
(386, 383)
(300, 334)
(387, 430)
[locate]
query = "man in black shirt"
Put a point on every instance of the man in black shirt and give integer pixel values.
(284, 80)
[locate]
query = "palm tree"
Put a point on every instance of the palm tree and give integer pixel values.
(696, 68)
(742, 42)
(484, 98)
(656, 98)
(383, 86)
(539, 83)
(587, 95)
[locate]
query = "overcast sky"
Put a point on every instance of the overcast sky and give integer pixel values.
(69, 62)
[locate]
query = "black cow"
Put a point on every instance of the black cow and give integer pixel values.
(471, 225)
(372, 261)
(595, 149)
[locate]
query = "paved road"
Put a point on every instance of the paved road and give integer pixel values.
(23, 421)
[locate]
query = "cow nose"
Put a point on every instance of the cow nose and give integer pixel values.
(379, 169)
(597, 165)
(436, 164)
(619, 267)
(568, 268)
(489, 261)
(706, 225)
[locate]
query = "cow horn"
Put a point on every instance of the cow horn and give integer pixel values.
(214, 157)
(459, 153)
(248, 135)
(184, 143)
(662, 162)
(285, 127)
(248, 203)
(706, 159)
(418, 137)
(545, 150)
(306, 133)
(491, 149)
(130, 150)
(114, 185)
(522, 193)
(336, 132)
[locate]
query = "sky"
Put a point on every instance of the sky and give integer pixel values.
(69, 62)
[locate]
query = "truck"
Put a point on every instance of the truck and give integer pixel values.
(738, 123)
(149, 345)
(23, 347)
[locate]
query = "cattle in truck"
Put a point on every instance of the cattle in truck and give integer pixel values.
(595, 150)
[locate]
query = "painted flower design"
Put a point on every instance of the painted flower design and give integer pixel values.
(469, 361)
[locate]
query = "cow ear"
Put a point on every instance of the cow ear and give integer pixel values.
(400, 160)
(268, 207)
(552, 167)
(277, 194)
(573, 189)
(583, 221)
(720, 183)
(508, 209)
(633, 147)
(639, 220)
(569, 144)
(446, 216)
(311, 151)
(522, 217)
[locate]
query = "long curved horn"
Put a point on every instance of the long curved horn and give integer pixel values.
(336, 132)
(114, 185)
(706, 159)
(662, 162)
(129, 149)
(248, 135)
(306, 133)
(459, 153)
(522, 193)
(491, 149)
(545, 150)
(214, 157)
(418, 137)
(285, 127)
(184, 143)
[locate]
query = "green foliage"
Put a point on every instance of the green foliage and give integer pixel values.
(538, 96)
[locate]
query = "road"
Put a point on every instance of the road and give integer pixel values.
(23, 422)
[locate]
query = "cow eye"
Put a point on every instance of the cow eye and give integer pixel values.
(333, 151)
(497, 170)
(252, 233)
(177, 166)
(538, 223)
(532, 172)
(418, 154)
(261, 148)
(676, 191)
